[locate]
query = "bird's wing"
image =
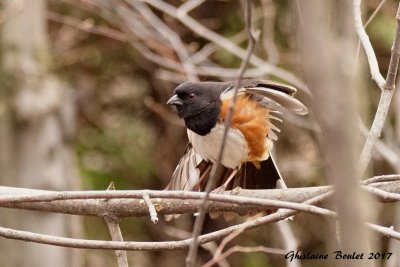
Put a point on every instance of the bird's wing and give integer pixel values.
(264, 176)
(271, 93)
(280, 93)
(282, 99)
(188, 172)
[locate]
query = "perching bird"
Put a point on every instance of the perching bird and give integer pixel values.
(247, 159)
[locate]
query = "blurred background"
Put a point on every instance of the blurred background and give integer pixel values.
(83, 86)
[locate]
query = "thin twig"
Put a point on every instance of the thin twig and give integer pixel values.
(384, 102)
(225, 43)
(188, 6)
(387, 152)
(373, 63)
(236, 249)
(381, 178)
(169, 35)
(365, 26)
(211, 183)
(152, 209)
(209, 71)
(182, 234)
(385, 231)
(226, 240)
(383, 194)
(373, 15)
(81, 25)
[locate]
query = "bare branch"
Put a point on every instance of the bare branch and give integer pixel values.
(388, 153)
(225, 241)
(129, 203)
(236, 249)
(116, 235)
(381, 178)
(181, 234)
(373, 63)
(150, 206)
(384, 102)
(373, 15)
(389, 232)
(226, 43)
(169, 35)
(166, 245)
(188, 6)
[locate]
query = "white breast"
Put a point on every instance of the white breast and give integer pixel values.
(235, 153)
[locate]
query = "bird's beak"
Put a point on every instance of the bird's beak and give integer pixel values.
(175, 100)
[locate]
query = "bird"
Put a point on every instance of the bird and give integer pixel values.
(247, 161)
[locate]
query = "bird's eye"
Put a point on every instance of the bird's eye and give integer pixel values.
(191, 96)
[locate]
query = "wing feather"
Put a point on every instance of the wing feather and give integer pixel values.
(280, 98)
(187, 173)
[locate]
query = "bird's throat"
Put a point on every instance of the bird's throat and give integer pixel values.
(203, 122)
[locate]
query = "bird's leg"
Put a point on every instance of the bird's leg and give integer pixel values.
(226, 183)
(203, 177)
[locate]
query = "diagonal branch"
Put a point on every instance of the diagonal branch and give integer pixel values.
(384, 102)
(169, 35)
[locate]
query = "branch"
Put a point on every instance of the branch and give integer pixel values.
(169, 245)
(152, 209)
(91, 202)
(225, 43)
(112, 223)
(389, 232)
(116, 235)
(373, 62)
(165, 245)
(182, 234)
(236, 249)
(169, 35)
(129, 203)
(384, 102)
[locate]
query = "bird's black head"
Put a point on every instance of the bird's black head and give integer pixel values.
(198, 104)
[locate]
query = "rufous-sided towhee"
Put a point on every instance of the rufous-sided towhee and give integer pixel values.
(247, 159)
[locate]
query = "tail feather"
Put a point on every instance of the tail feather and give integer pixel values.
(263, 175)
